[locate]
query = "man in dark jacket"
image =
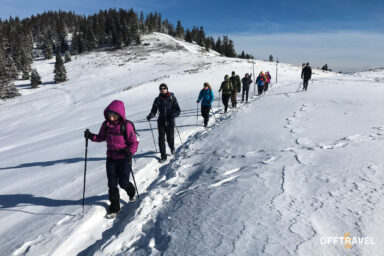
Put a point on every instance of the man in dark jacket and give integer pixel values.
(306, 75)
(247, 81)
(168, 107)
(236, 83)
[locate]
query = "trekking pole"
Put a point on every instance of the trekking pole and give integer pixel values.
(213, 113)
(134, 182)
(153, 136)
(85, 167)
(197, 114)
(218, 105)
(177, 129)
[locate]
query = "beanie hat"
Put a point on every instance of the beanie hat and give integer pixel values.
(162, 86)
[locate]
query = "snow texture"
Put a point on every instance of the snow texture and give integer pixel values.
(271, 177)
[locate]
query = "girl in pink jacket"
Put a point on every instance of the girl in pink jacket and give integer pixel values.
(122, 144)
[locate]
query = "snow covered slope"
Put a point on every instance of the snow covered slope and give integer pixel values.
(272, 177)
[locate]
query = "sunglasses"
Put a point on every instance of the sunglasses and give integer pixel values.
(111, 113)
(163, 88)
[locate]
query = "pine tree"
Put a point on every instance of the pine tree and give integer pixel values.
(48, 49)
(67, 56)
(188, 36)
(35, 79)
(7, 87)
(60, 72)
(179, 30)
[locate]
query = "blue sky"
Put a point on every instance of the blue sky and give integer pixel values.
(345, 34)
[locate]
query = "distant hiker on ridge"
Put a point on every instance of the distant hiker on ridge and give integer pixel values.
(236, 83)
(168, 107)
(227, 88)
(306, 75)
(122, 144)
(206, 98)
(247, 81)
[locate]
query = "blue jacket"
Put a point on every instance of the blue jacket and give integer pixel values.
(260, 81)
(206, 97)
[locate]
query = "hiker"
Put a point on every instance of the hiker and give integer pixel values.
(260, 83)
(306, 75)
(168, 107)
(119, 133)
(267, 81)
(247, 81)
(206, 98)
(227, 88)
(236, 83)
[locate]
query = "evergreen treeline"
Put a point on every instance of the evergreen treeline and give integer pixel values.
(52, 33)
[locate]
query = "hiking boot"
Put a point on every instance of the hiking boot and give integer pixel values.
(162, 160)
(132, 199)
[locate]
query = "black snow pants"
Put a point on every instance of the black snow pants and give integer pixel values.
(225, 100)
(118, 171)
(305, 83)
(260, 89)
(205, 113)
(168, 131)
(245, 91)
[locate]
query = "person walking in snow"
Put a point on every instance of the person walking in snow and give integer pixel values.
(227, 88)
(168, 107)
(260, 83)
(247, 81)
(122, 144)
(236, 83)
(306, 75)
(267, 81)
(206, 98)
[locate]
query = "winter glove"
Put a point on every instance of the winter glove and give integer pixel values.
(197, 101)
(149, 116)
(88, 135)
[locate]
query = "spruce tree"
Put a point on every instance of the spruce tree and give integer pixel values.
(67, 56)
(35, 79)
(48, 54)
(60, 72)
(188, 36)
(179, 30)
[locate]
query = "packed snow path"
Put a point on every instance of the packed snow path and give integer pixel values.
(272, 177)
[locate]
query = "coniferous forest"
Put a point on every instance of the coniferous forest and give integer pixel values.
(55, 33)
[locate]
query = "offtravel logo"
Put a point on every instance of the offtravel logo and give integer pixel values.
(347, 240)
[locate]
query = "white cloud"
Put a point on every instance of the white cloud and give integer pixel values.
(347, 51)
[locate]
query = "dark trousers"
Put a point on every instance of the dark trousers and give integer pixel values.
(205, 113)
(118, 171)
(225, 100)
(168, 131)
(260, 89)
(246, 91)
(266, 87)
(305, 83)
(234, 98)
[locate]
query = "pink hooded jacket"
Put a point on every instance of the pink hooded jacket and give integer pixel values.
(115, 140)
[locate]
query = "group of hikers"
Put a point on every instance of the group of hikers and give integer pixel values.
(232, 85)
(120, 134)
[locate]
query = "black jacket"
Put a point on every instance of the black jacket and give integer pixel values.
(306, 73)
(168, 109)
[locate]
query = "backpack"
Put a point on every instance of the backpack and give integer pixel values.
(123, 130)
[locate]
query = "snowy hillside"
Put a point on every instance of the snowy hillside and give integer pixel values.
(274, 177)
